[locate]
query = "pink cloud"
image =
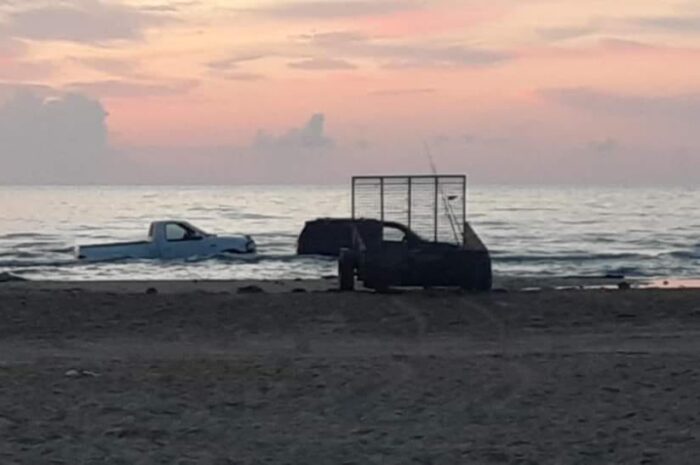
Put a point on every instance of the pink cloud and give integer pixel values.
(438, 20)
(13, 69)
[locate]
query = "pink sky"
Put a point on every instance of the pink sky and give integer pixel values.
(226, 91)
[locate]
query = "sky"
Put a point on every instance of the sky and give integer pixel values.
(291, 91)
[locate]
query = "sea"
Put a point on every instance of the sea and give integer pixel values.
(530, 231)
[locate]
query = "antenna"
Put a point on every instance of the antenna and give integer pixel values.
(449, 212)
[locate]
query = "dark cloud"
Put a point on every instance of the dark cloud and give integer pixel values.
(604, 146)
(52, 140)
(336, 9)
(170, 7)
(505, 158)
(626, 45)
(686, 23)
(321, 63)
(564, 33)
(227, 64)
(335, 37)
(482, 140)
(119, 88)
(88, 21)
(10, 90)
(310, 136)
(686, 107)
(439, 56)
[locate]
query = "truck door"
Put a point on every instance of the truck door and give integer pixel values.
(394, 253)
(180, 241)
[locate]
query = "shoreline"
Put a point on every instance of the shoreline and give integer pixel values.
(330, 284)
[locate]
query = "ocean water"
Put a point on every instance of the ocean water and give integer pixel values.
(530, 231)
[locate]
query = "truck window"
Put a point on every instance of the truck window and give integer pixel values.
(179, 232)
(174, 232)
(392, 234)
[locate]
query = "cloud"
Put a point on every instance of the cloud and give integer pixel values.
(626, 45)
(10, 47)
(14, 65)
(440, 56)
(310, 136)
(229, 68)
(505, 158)
(335, 9)
(20, 70)
(303, 154)
(669, 23)
(87, 21)
(170, 7)
(52, 140)
(242, 76)
(322, 64)
(126, 89)
(678, 107)
(396, 54)
(111, 66)
(604, 146)
(686, 24)
(10, 90)
(233, 62)
(564, 33)
(400, 92)
(325, 48)
(335, 37)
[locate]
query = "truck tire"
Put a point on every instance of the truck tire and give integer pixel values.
(378, 283)
(346, 270)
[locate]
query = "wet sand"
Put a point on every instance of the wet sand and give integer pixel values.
(198, 373)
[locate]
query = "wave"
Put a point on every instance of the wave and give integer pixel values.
(225, 257)
(579, 257)
(37, 263)
(11, 236)
(685, 254)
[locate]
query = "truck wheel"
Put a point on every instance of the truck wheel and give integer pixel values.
(346, 271)
(381, 288)
(379, 285)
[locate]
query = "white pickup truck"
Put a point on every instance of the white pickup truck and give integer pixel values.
(170, 240)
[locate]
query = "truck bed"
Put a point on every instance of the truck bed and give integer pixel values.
(115, 244)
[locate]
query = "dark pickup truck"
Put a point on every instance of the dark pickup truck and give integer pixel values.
(382, 254)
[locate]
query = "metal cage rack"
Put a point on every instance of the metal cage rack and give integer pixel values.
(432, 206)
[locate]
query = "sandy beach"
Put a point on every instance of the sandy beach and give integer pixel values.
(295, 373)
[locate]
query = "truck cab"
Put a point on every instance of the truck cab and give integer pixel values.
(396, 256)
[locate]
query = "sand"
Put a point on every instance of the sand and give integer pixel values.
(200, 374)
